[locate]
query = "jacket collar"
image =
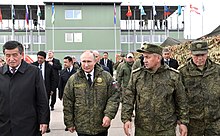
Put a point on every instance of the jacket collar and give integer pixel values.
(21, 69)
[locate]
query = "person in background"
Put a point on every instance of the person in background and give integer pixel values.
(90, 99)
(65, 74)
(124, 73)
(47, 74)
(24, 107)
(201, 78)
(107, 62)
(168, 60)
(76, 64)
(158, 96)
(97, 59)
(57, 66)
(2, 61)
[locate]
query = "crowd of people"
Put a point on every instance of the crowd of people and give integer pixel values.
(153, 89)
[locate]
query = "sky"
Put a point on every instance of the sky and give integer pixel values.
(209, 18)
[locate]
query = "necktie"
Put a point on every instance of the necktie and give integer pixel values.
(40, 67)
(106, 62)
(68, 69)
(89, 79)
(13, 70)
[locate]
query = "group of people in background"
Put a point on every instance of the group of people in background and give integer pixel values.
(153, 89)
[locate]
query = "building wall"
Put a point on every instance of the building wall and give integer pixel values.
(96, 26)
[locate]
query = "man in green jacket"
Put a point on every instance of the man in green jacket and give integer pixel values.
(90, 99)
(124, 73)
(158, 96)
(201, 78)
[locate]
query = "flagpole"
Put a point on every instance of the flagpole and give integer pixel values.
(190, 26)
(13, 20)
(38, 21)
(115, 30)
(151, 26)
(203, 9)
(178, 26)
(129, 48)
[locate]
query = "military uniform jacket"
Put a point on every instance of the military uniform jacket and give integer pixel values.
(85, 106)
(124, 75)
(159, 99)
(203, 91)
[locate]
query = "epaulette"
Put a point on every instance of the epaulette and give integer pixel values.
(181, 66)
(177, 71)
(136, 70)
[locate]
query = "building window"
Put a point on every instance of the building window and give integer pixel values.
(73, 14)
(77, 37)
(68, 37)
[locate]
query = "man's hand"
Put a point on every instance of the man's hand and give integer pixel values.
(71, 129)
(43, 128)
(106, 121)
(127, 128)
(183, 130)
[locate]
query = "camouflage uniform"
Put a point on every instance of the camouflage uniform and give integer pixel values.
(85, 106)
(203, 92)
(159, 100)
(124, 76)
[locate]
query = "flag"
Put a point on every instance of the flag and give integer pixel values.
(27, 16)
(154, 10)
(129, 13)
(203, 7)
(114, 14)
(166, 11)
(13, 14)
(0, 15)
(53, 14)
(142, 10)
(194, 9)
(179, 10)
(38, 13)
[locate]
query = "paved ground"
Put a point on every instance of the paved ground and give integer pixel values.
(57, 125)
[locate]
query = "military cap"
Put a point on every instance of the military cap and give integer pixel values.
(199, 47)
(130, 55)
(152, 48)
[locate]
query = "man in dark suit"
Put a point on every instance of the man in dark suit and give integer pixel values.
(65, 74)
(47, 73)
(24, 108)
(107, 62)
(97, 59)
(168, 60)
(56, 65)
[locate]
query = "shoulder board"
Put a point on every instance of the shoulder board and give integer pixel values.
(181, 66)
(136, 70)
(177, 71)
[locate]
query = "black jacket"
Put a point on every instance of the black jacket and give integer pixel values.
(109, 65)
(56, 68)
(23, 101)
(49, 80)
(64, 76)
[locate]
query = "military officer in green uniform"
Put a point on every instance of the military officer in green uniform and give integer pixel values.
(90, 99)
(124, 73)
(201, 78)
(158, 95)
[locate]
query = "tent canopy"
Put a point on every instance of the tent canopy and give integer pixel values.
(170, 41)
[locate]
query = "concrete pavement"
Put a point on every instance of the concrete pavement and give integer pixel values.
(57, 126)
